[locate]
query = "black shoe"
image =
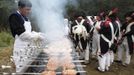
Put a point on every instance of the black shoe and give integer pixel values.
(118, 61)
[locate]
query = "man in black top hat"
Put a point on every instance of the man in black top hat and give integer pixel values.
(128, 39)
(80, 30)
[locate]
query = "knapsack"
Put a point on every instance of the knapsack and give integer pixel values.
(80, 29)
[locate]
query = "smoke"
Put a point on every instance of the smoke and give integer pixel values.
(50, 17)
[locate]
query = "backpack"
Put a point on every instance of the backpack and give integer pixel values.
(80, 29)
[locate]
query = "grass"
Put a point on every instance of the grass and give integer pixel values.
(6, 44)
(6, 39)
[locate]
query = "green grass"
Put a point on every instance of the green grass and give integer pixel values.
(6, 39)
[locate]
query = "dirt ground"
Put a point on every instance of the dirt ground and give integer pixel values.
(115, 69)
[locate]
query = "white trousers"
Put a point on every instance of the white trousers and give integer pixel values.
(85, 55)
(124, 48)
(95, 43)
(111, 57)
(105, 60)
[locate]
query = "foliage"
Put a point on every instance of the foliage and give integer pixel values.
(6, 7)
(93, 7)
(90, 7)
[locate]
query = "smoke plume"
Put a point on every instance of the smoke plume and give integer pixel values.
(50, 17)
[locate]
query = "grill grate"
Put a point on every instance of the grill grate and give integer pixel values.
(39, 65)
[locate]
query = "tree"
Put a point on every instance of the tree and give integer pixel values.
(92, 7)
(6, 7)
